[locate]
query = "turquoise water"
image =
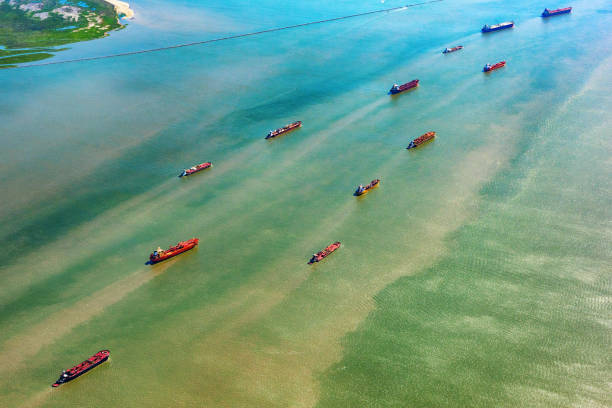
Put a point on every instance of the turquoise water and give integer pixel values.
(477, 274)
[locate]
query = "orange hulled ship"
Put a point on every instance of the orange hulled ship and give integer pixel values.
(361, 190)
(426, 137)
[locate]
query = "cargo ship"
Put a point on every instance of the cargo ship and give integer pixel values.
(457, 48)
(284, 129)
(395, 89)
(361, 190)
(80, 369)
(490, 67)
(426, 137)
(322, 254)
(160, 255)
(195, 169)
(496, 27)
(550, 13)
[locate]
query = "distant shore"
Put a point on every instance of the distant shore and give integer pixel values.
(31, 28)
(121, 7)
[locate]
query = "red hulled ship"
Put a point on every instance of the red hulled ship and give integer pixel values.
(284, 129)
(457, 48)
(489, 67)
(395, 89)
(195, 169)
(426, 137)
(160, 255)
(322, 254)
(550, 13)
(80, 369)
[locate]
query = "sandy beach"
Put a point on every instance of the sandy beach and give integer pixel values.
(122, 8)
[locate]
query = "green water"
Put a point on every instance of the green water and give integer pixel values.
(477, 274)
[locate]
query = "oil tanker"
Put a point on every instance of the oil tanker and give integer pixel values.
(284, 129)
(424, 138)
(80, 369)
(160, 255)
(490, 67)
(395, 89)
(195, 169)
(361, 190)
(457, 48)
(322, 254)
(496, 27)
(550, 13)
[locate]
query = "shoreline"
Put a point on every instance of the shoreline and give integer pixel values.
(121, 7)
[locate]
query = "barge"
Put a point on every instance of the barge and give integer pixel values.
(395, 89)
(424, 138)
(80, 369)
(324, 253)
(161, 255)
(496, 27)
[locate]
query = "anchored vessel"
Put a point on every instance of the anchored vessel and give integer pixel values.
(395, 89)
(361, 190)
(284, 129)
(195, 169)
(160, 255)
(457, 48)
(490, 67)
(496, 27)
(80, 369)
(426, 137)
(550, 13)
(322, 254)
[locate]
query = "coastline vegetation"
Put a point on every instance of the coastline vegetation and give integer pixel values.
(29, 29)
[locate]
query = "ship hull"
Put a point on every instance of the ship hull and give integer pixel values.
(82, 368)
(494, 67)
(398, 91)
(177, 252)
(185, 173)
(325, 253)
(365, 191)
(283, 131)
(421, 140)
(497, 28)
(91, 367)
(449, 50)
(552, 13)
(415, 145)
(403, 90)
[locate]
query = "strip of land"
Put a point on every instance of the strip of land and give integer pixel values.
(28, 26)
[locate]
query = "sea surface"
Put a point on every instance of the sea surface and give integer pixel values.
(477, 275)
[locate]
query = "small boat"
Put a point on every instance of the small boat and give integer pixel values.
(284, 129)
(322, 254)
(490, 67)
(550, 13)
(496, 27)
(195, 169)
(426, 137)
(395, 89)
(361, 190)
(80, 369)
(457, 48)
(160, 255)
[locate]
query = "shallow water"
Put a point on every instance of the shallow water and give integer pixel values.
(477, 274)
